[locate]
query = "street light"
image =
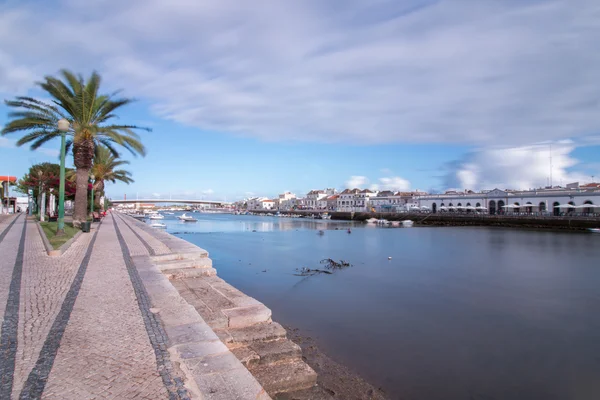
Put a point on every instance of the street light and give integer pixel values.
(92, 202)
(63, 127)
(39, 207)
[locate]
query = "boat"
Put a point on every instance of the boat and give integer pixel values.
(325, 216)
(187, 218)
(382, 222)
(594, 230)
(158, 225)
(169, 213)
(156, 216)
(372, 221)
(407, 223)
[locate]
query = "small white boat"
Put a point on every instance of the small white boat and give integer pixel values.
(156, 216)
(372, 221)
(187, 218)
(407, 223)
(169, 213)
(382, 222)
(594, 230)
(158, 225)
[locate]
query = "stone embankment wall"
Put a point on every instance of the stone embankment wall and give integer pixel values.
(223, 340)
(455, 219)
(522, 221)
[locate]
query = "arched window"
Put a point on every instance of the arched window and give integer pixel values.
(542, 206)
(590, 209)
(529, 207)
(434, 208)
(478, 205)
(571, 210)
(500, 206)
(516, 209)
(492, 206)
(556, 208)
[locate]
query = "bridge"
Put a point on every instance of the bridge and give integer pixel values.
(179, 201)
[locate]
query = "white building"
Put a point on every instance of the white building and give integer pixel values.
(528, 201)
(355, 200)
(267, 204)
(255, 203)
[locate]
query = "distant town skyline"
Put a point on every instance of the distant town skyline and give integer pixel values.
(264, 97)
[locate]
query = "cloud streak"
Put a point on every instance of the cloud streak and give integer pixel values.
(356, 71)
(522, 167)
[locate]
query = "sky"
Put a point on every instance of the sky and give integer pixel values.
(257, 98)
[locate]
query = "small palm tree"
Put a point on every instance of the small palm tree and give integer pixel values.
(89, 113)
(105, 169)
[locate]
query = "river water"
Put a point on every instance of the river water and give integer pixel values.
(457, 313)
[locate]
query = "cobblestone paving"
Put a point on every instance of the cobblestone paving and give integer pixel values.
(105, 351)
(147, 234)
(10, 313)
(136, 246)
(8, 250)
(43, 291)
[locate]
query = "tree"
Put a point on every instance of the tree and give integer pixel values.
(90, 115)
(45, 178)
(105, 169)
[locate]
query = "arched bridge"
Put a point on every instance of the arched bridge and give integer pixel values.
(183, 201)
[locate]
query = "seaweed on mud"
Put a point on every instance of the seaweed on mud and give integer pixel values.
(330, 265)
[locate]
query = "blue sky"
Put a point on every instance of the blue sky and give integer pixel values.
(283, 95)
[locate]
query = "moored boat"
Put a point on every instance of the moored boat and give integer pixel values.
(156, 216)
(187, 218)
(407, 223)
(594, 230)
(158, 225)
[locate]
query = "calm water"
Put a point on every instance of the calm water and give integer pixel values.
(458, 313)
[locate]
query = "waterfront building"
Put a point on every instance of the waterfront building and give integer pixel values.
(255, 203)
(542, 201)
(355, 200)
(267, 204)
(331, 202)
(312, 199)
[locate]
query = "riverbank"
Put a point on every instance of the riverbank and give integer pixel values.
(333, 378)
(563, 223)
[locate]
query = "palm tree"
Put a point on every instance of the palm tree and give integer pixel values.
(89, 113)
(105, 169)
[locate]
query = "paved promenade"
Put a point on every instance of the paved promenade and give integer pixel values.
(79, 326)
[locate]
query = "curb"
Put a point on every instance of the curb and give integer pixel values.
(52, 252)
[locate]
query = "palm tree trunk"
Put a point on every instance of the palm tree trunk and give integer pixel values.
(81, 197)
(83, 154)
(98, 192)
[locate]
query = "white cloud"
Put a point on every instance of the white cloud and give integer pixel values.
(357, 181)
(355, 71)
(393, 183)
(522, 167)
(208, 191)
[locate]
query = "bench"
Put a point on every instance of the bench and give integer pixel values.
(95, 217)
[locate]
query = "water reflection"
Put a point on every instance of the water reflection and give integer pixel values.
(457, 313)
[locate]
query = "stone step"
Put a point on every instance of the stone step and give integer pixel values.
(258, 332)
(241, 317)
(270, 352)
(173, 264)
(284, 377)
(180, 256)
(314, 393)
(182, 273)
(275, 351)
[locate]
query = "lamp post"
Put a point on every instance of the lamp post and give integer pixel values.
(63, 127)
(92, 202)
(39, 207)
